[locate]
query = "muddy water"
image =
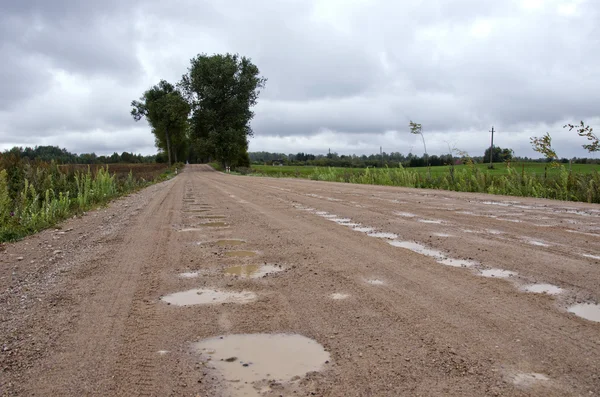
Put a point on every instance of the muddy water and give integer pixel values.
(240, 254)
(204, 296)
(245, 360)
(252, 271)
(543, 289)
(338, 296)
(457, 262)
(222, 243)
(498, 273)
(390, 236)
(589, 311)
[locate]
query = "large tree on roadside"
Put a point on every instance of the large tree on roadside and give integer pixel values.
(167, 112)
(221, 90)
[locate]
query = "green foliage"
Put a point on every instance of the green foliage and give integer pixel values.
(222, 89)
(588, 132)
(36, 195)
(543, 145)
(167, 113)
(525, 179)
(499, 155)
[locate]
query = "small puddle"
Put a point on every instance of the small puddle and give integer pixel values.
(435, 221)
(543, 289)
(189, 274)
(589, 311)
(211, 216)
(338, 296)
(591, 256)
(223, 243)
(252, 271)
(538, 243)
(196, 211)
(375, 281)
(246, 359)
(240, 254)
(498, 273)
(457, 262)
(363, 229)
(418, 248)
(341, 221)
(494, 231)
(214, 224)
(329, 216)
(405, 214)
(205, 296)
(523, 379)
(442, 235)
(390, 236)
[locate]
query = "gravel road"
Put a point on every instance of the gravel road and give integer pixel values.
(220, 285)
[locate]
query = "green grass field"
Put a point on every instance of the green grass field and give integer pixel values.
(499, 169)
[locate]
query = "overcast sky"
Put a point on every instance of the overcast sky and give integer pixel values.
(342, 74)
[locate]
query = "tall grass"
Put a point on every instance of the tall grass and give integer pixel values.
(561, 185)
(37, 195)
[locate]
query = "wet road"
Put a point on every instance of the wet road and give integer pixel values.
(400, 291)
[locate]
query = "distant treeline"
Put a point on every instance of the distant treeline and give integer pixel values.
(392, 159)
(63, 156)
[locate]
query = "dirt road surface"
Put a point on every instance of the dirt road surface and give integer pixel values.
(383, 287)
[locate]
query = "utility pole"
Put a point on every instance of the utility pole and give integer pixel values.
(492, 149)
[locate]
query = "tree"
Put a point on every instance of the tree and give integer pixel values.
(499, 155)
(417, 129)
(543, 145)
(221, 90)
(167, 112)
(586, 131)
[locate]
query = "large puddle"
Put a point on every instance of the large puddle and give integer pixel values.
(252, 271)
(240, 254)
(543, 289)
(205, 296)
(589, 311)
(244, 360)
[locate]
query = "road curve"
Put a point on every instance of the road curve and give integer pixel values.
(83, 313)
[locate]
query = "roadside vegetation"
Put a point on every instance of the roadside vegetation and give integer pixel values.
(35, 195)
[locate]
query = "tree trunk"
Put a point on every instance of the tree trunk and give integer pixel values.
(168, 145)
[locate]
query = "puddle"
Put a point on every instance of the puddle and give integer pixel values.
(375, 281)
(214, 224)
(538, 243)
(498, 273)
(405, 214)
(494, 231)
(205, 296)
(189, 275)
(591, 256)
(341, 220)
(589, 311)
(163, 352)
(329, 216)
(457, 262)
(191, 229)
(252, 271)
(211, 216)
(245, 359)
(222, 243)
(442, 235)
(418, 248)
(543, 289)
(523, 379)
(390, 236)
(363, 229)
(322, 213)
(240, 254)
(435, 221)
(195, 211)
(338, 296)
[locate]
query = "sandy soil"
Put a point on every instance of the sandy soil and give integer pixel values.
(82, 313)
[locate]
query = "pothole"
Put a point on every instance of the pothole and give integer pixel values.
(589, 311)
(363, 229)
(375, 281)
(390, 236)
(252, 271)
(246, 359)
(338, 296)
(189, 274)
(240, 254)
(214, 224)
(223, 243)
(498, 273)
(528, 379)
(205, 296)
(543, 289)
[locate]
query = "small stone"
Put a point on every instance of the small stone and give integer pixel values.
(20, 258)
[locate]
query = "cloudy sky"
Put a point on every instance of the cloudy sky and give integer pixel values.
(342, 74)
